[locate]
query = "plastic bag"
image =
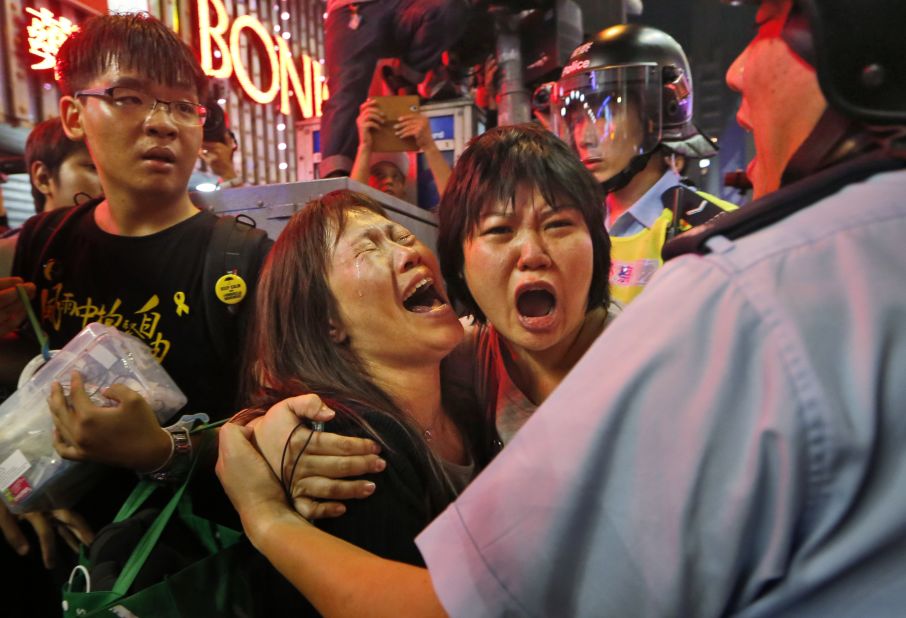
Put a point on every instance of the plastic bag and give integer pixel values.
(32, 475)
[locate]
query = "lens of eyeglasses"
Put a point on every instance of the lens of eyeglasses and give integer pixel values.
(138, 103)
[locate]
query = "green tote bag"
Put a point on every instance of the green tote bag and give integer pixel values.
(213, 586)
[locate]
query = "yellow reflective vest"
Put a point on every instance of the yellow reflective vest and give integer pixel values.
(635, 258)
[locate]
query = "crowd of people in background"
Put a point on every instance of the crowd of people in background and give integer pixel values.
(609, 393)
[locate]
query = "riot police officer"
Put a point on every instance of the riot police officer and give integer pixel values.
(624, 103)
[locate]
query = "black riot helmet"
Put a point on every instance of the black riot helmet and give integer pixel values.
(629, 88)
(858, 50)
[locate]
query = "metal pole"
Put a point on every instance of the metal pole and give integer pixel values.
(514, 106)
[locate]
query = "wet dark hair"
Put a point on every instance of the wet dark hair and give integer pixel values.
(131, 42)
(48, 143)
(490, 170)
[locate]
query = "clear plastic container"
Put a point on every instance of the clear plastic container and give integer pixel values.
(33, 476)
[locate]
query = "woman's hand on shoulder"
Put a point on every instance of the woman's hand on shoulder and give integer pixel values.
(317, 476)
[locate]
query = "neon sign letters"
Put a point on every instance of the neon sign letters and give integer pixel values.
(46, 33)
(308, 88)
(217, 38)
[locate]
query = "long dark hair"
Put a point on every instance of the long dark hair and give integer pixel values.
(290, 349)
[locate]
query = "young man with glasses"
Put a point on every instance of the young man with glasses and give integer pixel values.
(134, 259)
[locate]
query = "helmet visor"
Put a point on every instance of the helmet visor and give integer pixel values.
(610, 115)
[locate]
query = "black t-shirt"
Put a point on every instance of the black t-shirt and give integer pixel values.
(148, 286)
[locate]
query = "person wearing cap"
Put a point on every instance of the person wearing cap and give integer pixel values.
(389, 175)
(387, 171)
(624, 103)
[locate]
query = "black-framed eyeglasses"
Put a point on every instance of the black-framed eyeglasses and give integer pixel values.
(139, 106)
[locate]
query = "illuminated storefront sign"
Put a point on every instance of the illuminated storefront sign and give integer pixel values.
(219, 39)
(46, 32)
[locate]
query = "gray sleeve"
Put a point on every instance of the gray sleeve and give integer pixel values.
(662, 478)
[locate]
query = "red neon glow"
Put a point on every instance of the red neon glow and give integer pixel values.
(46, 33)
(217, 36)
(221, 39)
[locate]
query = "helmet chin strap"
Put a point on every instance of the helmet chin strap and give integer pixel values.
(620, 180)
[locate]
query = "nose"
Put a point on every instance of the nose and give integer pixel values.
(585, 134)
(407, 258)
(159, 122)
(532, 253)
(736, 72)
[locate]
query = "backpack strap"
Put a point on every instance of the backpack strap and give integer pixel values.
(236, 247)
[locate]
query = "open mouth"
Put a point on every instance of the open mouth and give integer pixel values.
(535, 303)
(424, 298)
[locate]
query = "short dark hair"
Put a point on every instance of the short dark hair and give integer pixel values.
(48, 144)
(490, 170)
(133, 41)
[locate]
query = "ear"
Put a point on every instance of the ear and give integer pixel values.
(337, 333)
(40, 177)
(71, 117)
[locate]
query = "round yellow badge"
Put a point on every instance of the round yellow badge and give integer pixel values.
(230, 289)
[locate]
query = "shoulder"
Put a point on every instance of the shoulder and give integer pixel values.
(877, 179)
(406, 497)
(857, 215)
(407, 455)
(38, 232)
(47, 220)
(363, 422)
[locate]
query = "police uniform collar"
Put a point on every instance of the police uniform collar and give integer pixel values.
(648, 208)
(784, 202)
